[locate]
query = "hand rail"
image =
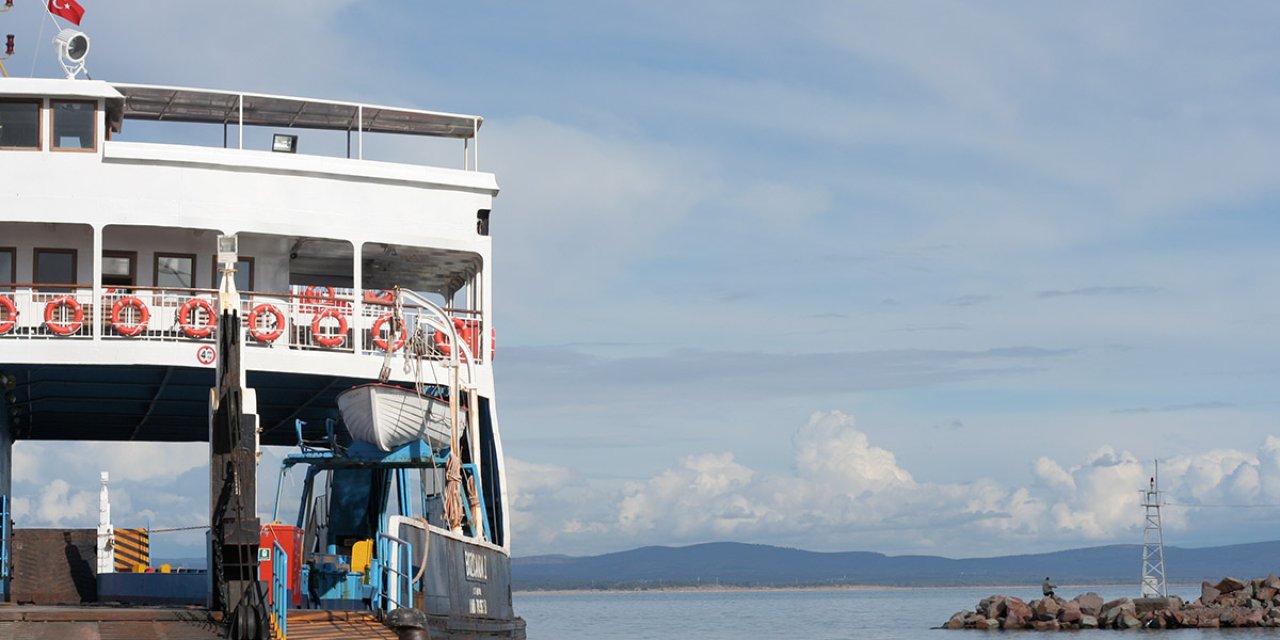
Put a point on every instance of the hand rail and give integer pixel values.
(279, 590)
(393, 585)
(6, 540)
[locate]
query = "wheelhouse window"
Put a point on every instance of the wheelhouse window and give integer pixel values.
(176, 270)
(55, 267)
(19, 124)
(8, 267)
(244, 274)
(75, 126)
(119, 268)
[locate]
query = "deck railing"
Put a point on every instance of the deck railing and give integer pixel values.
(307, 319)
(279, 590)
(6, 548)
(393, 574)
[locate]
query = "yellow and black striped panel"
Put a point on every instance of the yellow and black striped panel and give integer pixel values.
(133, 548)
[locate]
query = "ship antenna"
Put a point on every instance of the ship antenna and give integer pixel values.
(1153, 580)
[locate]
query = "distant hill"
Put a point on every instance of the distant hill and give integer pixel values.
(736, 564)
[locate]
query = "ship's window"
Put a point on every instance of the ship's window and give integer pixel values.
(55, 266)
(19, 124)
(175, 270)
(74, 126)
(119, 268)
(244, 274)
(8, 267)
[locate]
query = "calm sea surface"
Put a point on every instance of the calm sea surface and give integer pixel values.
(812, 615)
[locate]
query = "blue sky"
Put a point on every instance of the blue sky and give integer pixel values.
(914, 277)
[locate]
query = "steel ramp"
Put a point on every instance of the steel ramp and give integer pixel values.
(317, 624)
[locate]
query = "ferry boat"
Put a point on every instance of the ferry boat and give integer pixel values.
(137, 276)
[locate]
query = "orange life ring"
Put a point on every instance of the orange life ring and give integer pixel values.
(326, 340)
(129, 329)
(263, 335)
(58, 326)
(10, 315)
(442, 340)
(379, 296)
(313, 292)
(187, 317)
(383, 343)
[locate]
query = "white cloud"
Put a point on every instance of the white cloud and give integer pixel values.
(846, 493)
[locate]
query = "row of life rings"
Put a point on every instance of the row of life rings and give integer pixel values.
(64, 316)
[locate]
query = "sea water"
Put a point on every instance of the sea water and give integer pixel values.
(889, 614)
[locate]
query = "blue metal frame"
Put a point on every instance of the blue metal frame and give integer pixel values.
(479, 494)
(280, 589)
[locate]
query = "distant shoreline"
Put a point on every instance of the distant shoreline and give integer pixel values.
(846, 587)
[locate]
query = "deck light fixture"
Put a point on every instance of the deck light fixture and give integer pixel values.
(284, 143)
(228, 250)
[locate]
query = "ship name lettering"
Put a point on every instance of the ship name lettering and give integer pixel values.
(476, 564)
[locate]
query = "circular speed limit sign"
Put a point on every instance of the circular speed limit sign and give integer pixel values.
(206, 355)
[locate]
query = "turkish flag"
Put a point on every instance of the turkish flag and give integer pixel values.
(67, 9)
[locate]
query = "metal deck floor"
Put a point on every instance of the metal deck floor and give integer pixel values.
(37, 622)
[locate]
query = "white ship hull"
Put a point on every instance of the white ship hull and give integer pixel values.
(389, 417)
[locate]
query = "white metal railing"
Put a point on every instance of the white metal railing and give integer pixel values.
(47, 312)
(307, 318)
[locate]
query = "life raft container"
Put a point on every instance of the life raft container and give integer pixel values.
(329, 341)
(9, 312)
(187, 318)
(124, 327)
(63, 327)
(379, 296)
(266, 335)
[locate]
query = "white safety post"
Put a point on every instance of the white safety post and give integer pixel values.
(106, 546)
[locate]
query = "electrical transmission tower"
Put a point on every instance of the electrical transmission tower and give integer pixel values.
(1153, 581)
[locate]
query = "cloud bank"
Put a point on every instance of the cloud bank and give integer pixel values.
(843, 492)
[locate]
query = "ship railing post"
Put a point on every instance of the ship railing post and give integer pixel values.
(95, 292)
(6, 544)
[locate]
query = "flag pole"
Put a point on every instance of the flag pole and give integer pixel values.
(49, 13)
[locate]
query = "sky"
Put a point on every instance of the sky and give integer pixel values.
(910, 277)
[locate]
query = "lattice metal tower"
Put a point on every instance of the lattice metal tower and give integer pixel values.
(1153, 581)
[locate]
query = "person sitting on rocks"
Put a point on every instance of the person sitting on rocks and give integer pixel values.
(1048, 587)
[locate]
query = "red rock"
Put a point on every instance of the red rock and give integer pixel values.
(1014, 621)
(1088, 622)
(987, 624)
(1047, 609)
(1090, 604)
(1251, 619)
(1228, 585)
(1017, 607)
(1070, 612)
(1266, 594)
(1208, 622)
(1128, 621)
(1047, 625)
(1208, 594)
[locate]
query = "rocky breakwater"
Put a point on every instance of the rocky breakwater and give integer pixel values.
(1229, 603)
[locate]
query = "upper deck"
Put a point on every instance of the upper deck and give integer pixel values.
(98, 230)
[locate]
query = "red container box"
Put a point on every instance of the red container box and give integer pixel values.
(290, 538)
